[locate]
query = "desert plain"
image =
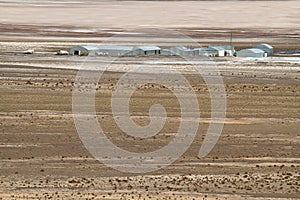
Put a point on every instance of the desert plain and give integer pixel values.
(41, 155)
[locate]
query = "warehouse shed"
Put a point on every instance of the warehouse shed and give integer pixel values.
(265, 47)
(82, 50)
(112, 50)
(256, 53)
(102, 50)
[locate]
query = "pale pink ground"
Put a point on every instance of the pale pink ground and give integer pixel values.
(132, 14)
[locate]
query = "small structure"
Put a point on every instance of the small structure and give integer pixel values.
(265, 47)
(62, 52)
(224, 50)
(256, 53)
(29, 51)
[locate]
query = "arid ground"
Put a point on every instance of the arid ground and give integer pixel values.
(42, 156)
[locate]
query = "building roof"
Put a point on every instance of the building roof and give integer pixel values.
(253, 50)
(205, 49)
(222, 48)
(264, 45)
(147, 48)
(123, 48)
(107, 47)
(89, 47)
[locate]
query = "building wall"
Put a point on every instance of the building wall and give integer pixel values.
(249, 53)
(114, 52)
(147, 50)
(221, 53)
(166, 52)
(205, 51)
(229, 53)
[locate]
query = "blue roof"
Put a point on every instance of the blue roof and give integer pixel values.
(205, 49)
(115, 47)
(222, 47)
(107, 47)
(254, 50)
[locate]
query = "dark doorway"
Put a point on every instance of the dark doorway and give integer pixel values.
(77, 52)
(145, 52)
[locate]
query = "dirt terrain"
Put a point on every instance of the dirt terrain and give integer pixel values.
(41, 154)
(256, 156)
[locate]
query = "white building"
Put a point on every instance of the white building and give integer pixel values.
(224, 50)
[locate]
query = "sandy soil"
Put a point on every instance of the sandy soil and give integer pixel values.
(257, 155)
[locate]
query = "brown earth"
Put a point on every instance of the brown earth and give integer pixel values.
(42, 155)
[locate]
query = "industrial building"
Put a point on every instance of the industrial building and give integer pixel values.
(100, 50)
(256, 53)
(265, 47)
(261, 50)
(112, 50)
